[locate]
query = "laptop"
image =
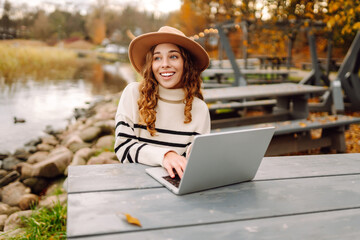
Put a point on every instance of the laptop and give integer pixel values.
(219, 159)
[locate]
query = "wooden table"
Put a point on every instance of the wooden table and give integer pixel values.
(291, 98)
(299, 197)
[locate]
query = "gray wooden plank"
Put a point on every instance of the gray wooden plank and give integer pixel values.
(132, 176)
(102, 212)
(308, 166)
(325, 225)
(286, 127)
(108, 177)
(260, 91)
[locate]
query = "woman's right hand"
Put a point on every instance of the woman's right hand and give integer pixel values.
(172, 161)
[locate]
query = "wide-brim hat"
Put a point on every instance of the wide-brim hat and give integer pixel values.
(140, 45)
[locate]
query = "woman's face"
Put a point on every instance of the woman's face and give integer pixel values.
(168, 65)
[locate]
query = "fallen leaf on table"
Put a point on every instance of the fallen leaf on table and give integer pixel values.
(302, 124)
(132, 220)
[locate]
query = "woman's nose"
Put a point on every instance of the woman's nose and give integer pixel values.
(165, 63)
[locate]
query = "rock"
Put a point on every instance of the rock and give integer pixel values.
(33, 143)
(50, 140)
(44, 147)
(12, 193)
(6, 209)
(21, 154)
(72, 138)
(53, 166)
(16, 233)
(38, 157)
(3, 173)
(50, 130)
(89, 134)
(10, 163)
(10, 177)
(36, 184)
(50, 201)
(4, 154)
(28, 200)
(104, 158)
(15, 220)
(105, 142)
(82, 156)
(74, 147)
(2, 221)
(107, 126)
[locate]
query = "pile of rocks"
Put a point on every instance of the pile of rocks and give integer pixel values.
(28, 175)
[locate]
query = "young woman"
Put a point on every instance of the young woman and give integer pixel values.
(158, 118)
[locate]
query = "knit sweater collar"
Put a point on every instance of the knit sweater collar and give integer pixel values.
(176, 95)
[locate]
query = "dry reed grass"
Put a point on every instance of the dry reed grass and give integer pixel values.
(39, 62)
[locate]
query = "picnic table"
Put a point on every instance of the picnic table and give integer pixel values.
(291, 99)
(292, 197)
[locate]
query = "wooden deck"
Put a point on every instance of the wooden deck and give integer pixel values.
(298, 197)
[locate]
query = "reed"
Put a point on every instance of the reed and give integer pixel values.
(36, 62)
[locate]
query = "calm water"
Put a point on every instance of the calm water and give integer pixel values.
(51, 102)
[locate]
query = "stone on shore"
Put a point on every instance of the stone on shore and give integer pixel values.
(6, 209)
(12, 193)
(50, 201)
(10, 177)
(15, 220)
(4, 154)
(104, 158)
(105, 142)
(36, 184)
(3, 218)
(38, 157)
(89, 134)
(10, 163)
(28, 200)
(53, 166)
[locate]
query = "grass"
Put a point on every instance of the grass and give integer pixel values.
(38, 62)
(44, 224)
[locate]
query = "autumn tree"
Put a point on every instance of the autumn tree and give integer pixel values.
(95, 22)
(343, 20)
(41, 27)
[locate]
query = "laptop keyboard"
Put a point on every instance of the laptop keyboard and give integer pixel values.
(174, 181)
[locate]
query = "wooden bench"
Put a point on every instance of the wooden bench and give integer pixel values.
(327, 133)
(238, 105)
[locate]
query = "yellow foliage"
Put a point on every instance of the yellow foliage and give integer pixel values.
(356, 26)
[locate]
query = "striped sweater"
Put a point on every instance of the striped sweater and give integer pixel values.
(133, 143)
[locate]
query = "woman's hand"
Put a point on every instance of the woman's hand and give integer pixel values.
(172, 161)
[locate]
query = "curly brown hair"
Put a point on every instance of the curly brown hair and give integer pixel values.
(149, 90)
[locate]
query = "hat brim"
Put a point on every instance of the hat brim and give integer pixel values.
(142, 44)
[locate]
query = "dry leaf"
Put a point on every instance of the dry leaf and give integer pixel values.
(132, 220)
(302, 124)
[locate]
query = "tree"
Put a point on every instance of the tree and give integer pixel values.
(41, 27)
(343, 20)
(95, 22)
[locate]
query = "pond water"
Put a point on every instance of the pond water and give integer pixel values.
(52, 102)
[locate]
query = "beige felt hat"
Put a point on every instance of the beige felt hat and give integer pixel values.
(140, 45)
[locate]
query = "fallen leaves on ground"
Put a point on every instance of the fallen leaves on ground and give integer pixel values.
(132, 220)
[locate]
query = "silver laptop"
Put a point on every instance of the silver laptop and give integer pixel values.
(219, 159)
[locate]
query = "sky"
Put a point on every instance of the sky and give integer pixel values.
(156, 6)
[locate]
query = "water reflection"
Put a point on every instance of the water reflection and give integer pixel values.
(51, 102)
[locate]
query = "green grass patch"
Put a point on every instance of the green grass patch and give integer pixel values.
(45, 224)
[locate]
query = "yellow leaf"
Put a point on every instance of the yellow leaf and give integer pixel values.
(356, 26)
(132, 220)
(302, 124)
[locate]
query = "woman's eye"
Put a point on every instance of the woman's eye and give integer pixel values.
(156, 58)
(173, 57)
